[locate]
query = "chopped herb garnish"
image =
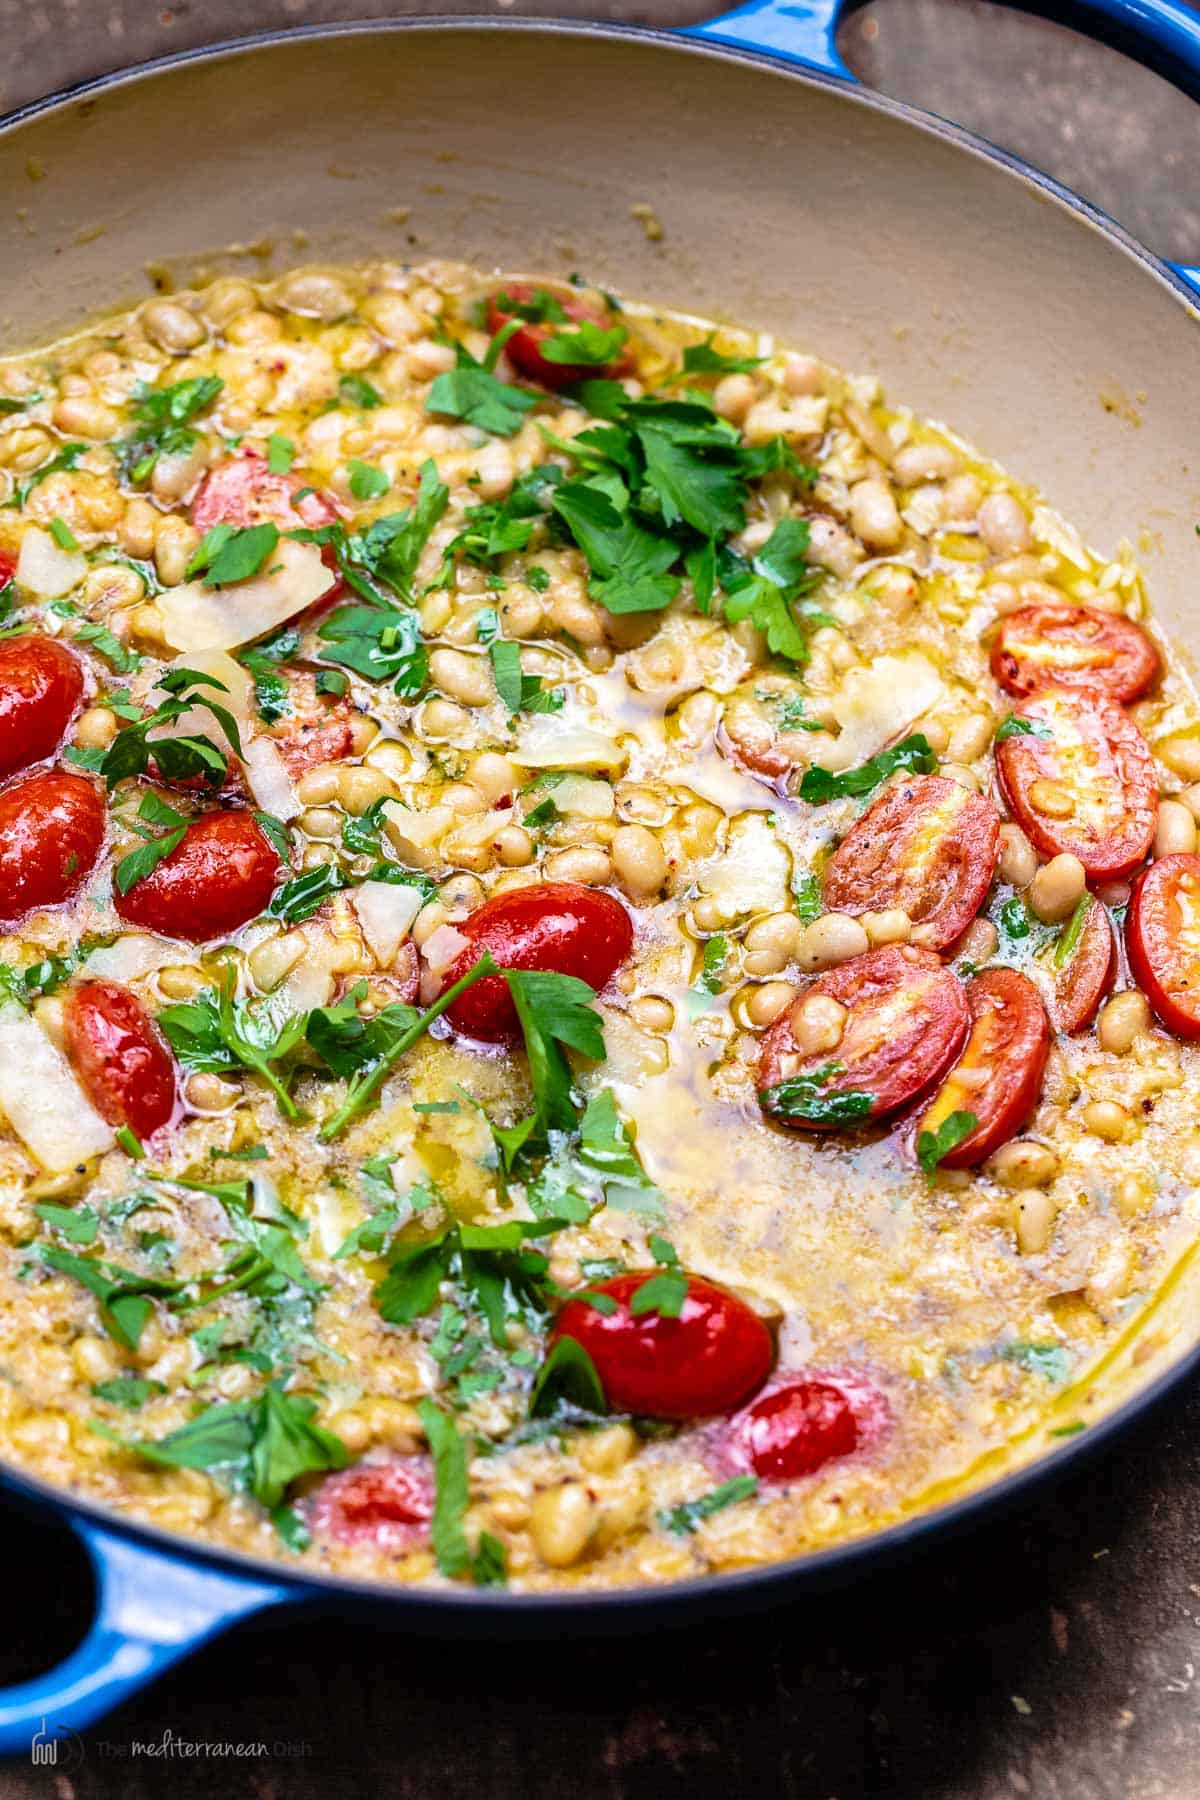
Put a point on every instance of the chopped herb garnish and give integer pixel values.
(62, 534)
(367, 483)
(356, 390)
(231, 553)
(141, 862)
(1015, 726)
(1068, 943)
(1050, 1360)
(520, 692)
(470, 391)
(567, 1379)
(819, 786)
(934, 1146)
(684, 1519)
(803, 1097)
(806, 890)
(162, 417)
(281, 453)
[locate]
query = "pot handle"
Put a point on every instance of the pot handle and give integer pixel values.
(1163, 34)
(151, 1611)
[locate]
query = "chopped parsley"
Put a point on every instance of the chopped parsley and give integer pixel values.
(934, 1146)
(682, 1520)
(819, 786)
(803, 1097)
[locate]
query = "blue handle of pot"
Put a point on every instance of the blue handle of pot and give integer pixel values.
(805, 32)
(151, 1611)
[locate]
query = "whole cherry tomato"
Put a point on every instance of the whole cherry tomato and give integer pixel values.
(1080, 778)
(560, 926)
(527, 347)
(387, 1505)
(1086, 976)
(999, 1075)
(706, 1361)
(120, 1056)
(220, 875)
(1163, 940)
(1060, 644)
(906, 1018)
(41, 683)
(926, 845)
(803, 1421)
(51, 829)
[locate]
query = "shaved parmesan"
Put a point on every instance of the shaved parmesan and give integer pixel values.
(385, 912)
(752, 875)
(439, 950)
(550, 742)
(269, 780)
(198, 721)
(41, 1098)
(416, 835)
(137, 955)
(877, 704)
(196, 617)
(584, 797)
(46, 569)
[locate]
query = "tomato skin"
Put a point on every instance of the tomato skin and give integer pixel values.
(316, 730)
(707, 1361)
(41, 684)
(120, 1056)
(388, 1505)
(1085, 729)
(51, 829)
(242, 491)
(875, 867)
(1165, 899)
(803, 1420)
(1099, 651)
(221, 875)
(908, 1018)
(1082, 985)
(1010, 1036)
(524, 346)
(560, 926)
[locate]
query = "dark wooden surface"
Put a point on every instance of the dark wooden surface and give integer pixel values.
(1050, 1654)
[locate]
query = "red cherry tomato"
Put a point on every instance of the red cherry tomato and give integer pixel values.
(906, 1020)
(316, 730)
(1163, 940)
(1083, 745)
(220, 875)
(706, 1361)
(40, 686)
(1081, 985)
(558, 926)
(926, 845)
(8, 568)
(999, 1075)
(526, 347)
(802, 1422)
(123, 1062)
(1064, 645)
(51, 830)
(387, 1505)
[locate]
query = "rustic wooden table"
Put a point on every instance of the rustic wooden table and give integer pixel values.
(1050, 1654)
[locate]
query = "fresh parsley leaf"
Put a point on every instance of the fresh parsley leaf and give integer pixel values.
(62, 534)
(932, 1146)
(177, 758)
(275, 832)
(331, 681)
(520, 692)
(803, 1097)
(556, 1012)
(806, 892)
(383, 645)
(471, 392)
(219, 1033)
(702, 359)
(122, 1294)
(452, 1489)
(231, 553)
(127, 1390)
(1015, 726)
(663, 1293)
(304, 895)
(367, 483)
(106, 644)
(66, 458)
(266, 1444)
(360, 834)
(764, 589)
(586, 345)
(139, 863)
(78, 1224)
(716, 954)
(281, 453)
(162, 417)
(356, 390)
(1068, 943)
(681, 1520)
(567, 1379)
(819, 786)
(628, 564)
(606, 1151)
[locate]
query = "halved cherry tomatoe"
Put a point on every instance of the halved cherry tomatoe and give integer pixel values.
(41, 684)
(219, 876)
(243, 491)
(385, 1504)
(1079, 776)
(804, 1420)
(120, 1056)
(316, 730)
(926, 845)
(51, 829)
(1086, 973)
(999, 1076)
(1163, 940)
(905, 1020)
(707, 1360)
(1060, 644)
(549, 316)
(559, 925)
